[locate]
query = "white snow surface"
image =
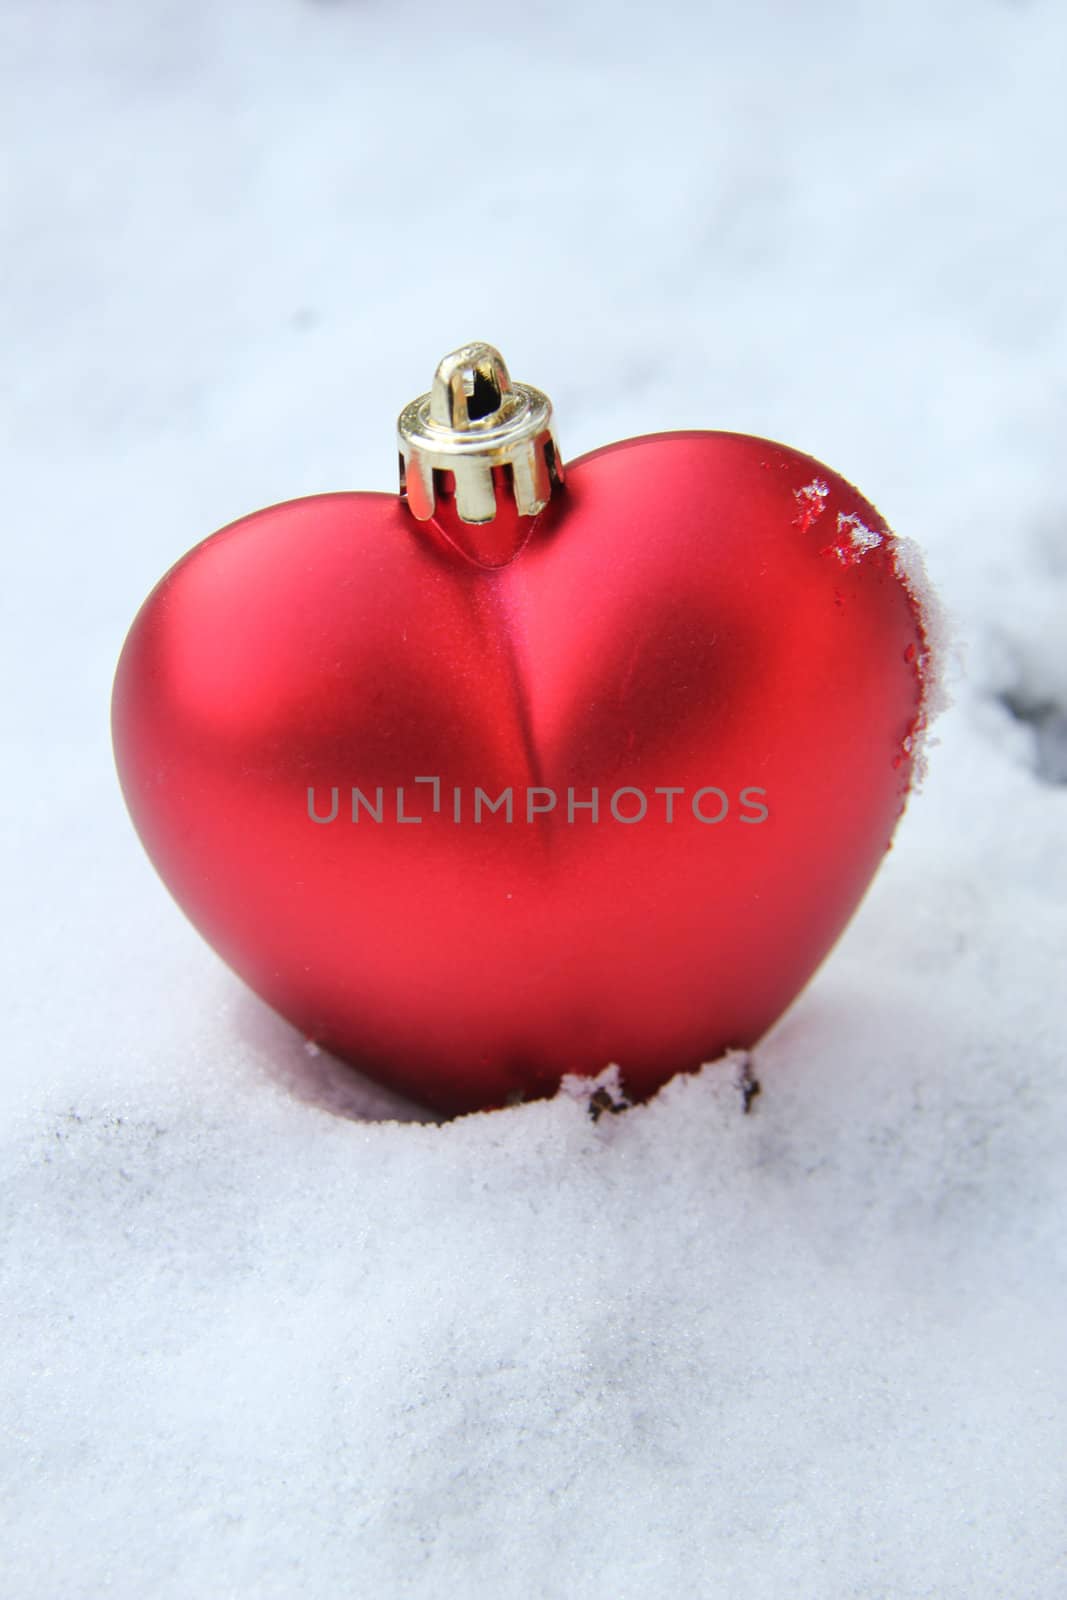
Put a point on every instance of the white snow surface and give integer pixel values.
(267, 1332)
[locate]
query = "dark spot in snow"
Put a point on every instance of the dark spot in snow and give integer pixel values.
(1049, 722)
(602, 1100)
(748, 1084)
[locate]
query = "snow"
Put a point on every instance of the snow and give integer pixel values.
(854, 538)
(811, 503)
(266, 1331)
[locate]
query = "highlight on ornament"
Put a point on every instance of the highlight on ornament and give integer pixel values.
(402, 758)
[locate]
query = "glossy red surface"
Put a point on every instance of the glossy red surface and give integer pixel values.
(692, 612)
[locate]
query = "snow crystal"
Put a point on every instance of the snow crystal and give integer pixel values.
(854, 538)
(934, 661)
(910, 567)
(811, 503)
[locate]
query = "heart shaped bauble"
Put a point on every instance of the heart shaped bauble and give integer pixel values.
(523, 772)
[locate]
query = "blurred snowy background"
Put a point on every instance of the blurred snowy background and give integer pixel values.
(256, 1346)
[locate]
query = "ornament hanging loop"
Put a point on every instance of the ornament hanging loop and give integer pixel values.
(471, 385)
(474, 421)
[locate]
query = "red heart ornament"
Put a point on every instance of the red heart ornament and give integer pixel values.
(698, 672)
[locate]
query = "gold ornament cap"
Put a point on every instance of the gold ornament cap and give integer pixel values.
(474, 419)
